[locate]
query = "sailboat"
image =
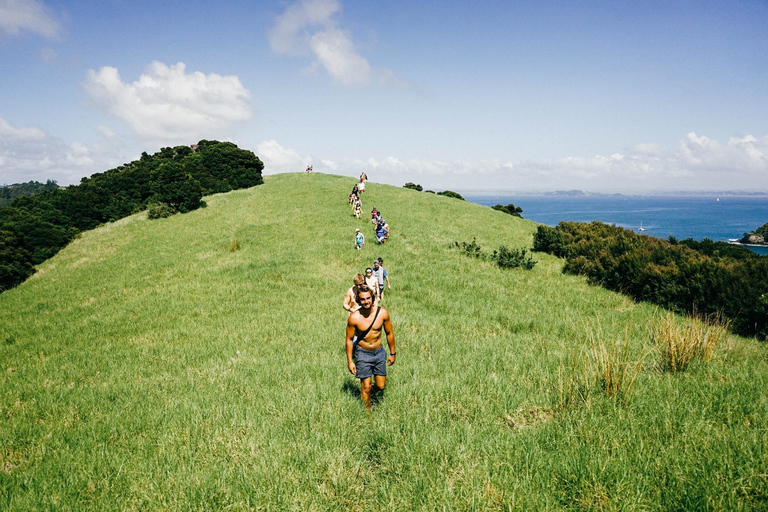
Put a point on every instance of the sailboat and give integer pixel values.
(641, 228)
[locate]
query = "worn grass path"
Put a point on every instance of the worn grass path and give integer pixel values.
(149, 367)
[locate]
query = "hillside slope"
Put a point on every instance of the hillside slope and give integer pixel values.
(150, 366)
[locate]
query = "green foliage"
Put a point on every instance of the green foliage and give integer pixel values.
(510, 209)
(172, 180)
(10, 192)
(413, 186)
(450, 193)
(763, 230)
(15, 261)
(513, 258)
(160, 211)
(704, 277)
(503, 257)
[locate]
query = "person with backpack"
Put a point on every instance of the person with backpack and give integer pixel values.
(359, 239)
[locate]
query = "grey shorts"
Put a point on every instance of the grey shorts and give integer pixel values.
(370, 362)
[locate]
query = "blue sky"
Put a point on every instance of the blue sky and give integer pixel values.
(468, 96)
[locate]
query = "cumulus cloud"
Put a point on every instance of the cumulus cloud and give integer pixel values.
(17, 16)
(695, 163)
(279, 159)
(309, 27)
(168, 105)
(30, 154)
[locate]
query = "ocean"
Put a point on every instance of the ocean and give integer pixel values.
(698, 217)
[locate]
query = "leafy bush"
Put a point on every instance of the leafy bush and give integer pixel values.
(413, 186)
(450, 193)
(513, 258)
(504, 257)
(707, 279)
(510, 209)
(160, 211)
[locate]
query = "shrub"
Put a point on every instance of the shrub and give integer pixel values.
(687, 276)
(160, 211)
(513, 258)
(510, 209)
(450, 193)
(504, 257)
(413, 186)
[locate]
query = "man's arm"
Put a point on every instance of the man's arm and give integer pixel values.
(349, 341)
(349, 302)
(390, 338)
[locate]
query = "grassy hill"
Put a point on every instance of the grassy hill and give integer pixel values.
(150, 366)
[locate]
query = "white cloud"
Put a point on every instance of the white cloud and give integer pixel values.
(278, 159)
(8, 132)
(28, 15)
(170, 106)
(309, 27)
(28, 153)
(695, 163)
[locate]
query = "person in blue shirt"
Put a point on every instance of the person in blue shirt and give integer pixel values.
(381, 277)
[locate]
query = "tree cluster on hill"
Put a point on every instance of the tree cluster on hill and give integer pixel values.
(690, 277)
(34, 228)
(509, 209)
(10, 192)
(451, 193)
(413, 186)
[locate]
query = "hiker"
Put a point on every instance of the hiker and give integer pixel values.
(361, 187)
(382, 232)
(372, 283)
(358, 208)
(350, 304)
(366, 357)
(381, 276)
(359, 239)
(363, 176)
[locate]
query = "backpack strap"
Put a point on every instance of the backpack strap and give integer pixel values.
(358, 338)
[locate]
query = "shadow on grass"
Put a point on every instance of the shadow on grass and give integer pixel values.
(352, 388)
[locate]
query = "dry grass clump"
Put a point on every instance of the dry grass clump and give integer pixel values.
(528, 417)
(604, 367)
(678, 343)
(234, 244)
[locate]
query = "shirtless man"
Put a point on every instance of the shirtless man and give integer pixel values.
(350, 304)
(366, 355)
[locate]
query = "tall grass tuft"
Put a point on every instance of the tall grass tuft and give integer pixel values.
(234, 244)
(603, 368)
(679, 344)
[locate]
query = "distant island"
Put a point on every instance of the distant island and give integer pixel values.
(756, 237)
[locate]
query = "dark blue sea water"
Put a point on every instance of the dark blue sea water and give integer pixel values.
(717, 218)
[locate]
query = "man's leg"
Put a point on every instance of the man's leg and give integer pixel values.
(365, 390)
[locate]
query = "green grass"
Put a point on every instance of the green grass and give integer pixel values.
(121, 385)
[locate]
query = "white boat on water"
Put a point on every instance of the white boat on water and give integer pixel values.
(641, 228)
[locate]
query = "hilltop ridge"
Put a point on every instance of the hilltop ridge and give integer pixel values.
(159, 364)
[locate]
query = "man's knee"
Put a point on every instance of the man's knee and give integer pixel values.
(366, 385)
